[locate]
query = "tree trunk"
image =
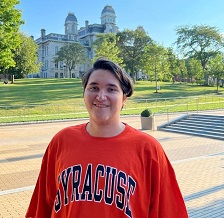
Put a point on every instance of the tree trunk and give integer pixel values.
(217, 85)
(12, 80)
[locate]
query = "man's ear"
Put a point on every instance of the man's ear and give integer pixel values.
(124, 101)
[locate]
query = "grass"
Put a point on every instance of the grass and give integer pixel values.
(49, 99)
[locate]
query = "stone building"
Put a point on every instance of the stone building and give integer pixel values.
(50, 44)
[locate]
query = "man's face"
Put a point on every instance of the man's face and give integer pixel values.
(103, 97)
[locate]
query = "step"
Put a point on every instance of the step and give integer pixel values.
(198, 124)
(195, 130)
(201, 119)
(196, 134)
(192, 127)
(205, 120)
(206, 115)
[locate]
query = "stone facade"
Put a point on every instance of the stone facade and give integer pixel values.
(50, 44)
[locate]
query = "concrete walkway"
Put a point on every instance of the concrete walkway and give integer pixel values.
(198, 163)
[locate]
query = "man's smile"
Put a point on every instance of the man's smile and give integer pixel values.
(101, 105)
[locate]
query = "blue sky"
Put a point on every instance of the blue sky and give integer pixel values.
(159, 18)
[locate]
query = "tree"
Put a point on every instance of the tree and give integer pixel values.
(25, 57)
(10, 21)
(72, 54)
(202, 42)
(155, 59)
(165, 67)
(182, 69)
(105, 46)
(173, 63)
(132, 45)
(216, 68)
(194, 69)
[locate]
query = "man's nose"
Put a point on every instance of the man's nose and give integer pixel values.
(101, 95)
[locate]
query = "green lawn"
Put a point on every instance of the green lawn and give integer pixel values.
(43, 99)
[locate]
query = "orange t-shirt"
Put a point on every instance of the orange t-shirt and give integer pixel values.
(124, 176)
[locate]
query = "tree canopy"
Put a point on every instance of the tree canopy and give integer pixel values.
(202, 42)
(10, 21)
(155, 62)
(132, 45)
(105, 46)
(194, 69)
(216, 68)
(71, 54)
(25, 57)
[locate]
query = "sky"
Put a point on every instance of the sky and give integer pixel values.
(159, 18)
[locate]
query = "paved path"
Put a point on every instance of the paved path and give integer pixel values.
(198, 163)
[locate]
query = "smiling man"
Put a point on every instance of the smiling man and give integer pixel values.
(105, 168)
(104, 100)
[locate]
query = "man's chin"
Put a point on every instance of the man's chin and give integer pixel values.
(102, 120)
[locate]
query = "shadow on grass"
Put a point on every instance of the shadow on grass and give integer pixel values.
(41, 91)
(168, 90)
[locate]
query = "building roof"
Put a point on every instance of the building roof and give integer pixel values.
(109, 9)
(71, 17)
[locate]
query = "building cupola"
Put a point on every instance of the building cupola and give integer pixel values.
(71, 25)
(108, 15)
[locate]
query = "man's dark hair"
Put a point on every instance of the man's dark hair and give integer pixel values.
(105, 64)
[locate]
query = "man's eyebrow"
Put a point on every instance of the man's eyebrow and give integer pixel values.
(93, 83)
(109, 84)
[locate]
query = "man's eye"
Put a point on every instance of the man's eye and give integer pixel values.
(93, 88)
(111, 90)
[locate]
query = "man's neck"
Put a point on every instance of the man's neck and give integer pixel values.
(106, 130)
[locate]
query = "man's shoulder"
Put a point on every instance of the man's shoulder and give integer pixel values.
(76, 129)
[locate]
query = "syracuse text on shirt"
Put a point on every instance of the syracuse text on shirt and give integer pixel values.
(107, 184)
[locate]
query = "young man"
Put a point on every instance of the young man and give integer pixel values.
(106, 168)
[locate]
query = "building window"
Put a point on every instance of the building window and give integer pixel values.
(56, 65)
(61, 75)
(56, 75)
(56, 50)
(42, 51)
(73, 28)
(46, 51)
(61, 64)
(46, 64)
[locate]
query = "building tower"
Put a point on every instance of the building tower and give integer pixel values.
(71, 27)
(108, 19)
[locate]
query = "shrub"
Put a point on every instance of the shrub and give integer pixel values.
(146, 113)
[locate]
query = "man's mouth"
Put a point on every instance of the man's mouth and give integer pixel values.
(101, 105)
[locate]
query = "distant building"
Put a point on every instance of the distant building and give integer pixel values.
(50, 44)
